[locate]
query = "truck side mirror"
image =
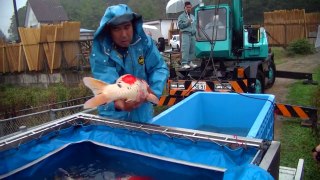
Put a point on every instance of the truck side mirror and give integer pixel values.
(253, 35)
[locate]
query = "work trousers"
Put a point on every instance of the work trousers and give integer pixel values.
(187, 47)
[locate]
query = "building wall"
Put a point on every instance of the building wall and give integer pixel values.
(164, 26)
(31, 20)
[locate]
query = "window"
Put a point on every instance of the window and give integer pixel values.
(212, 24)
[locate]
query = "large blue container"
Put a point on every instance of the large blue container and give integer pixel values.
(247, 115)
(84, 145)
(88, 146)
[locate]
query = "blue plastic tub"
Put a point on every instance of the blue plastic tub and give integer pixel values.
(247, 115)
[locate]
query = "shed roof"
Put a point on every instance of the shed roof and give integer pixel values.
(48, 11)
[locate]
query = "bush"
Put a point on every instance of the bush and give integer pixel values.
(20, 97)
(301, 46)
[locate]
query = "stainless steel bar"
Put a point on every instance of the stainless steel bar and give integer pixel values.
(83, 118)
(178, 132)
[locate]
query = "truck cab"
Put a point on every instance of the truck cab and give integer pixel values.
(220, 28)
(213, 27)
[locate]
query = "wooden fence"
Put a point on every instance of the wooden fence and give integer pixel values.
(49, 47)
(285, 26)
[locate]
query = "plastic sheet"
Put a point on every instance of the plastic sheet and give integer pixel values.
(208, 154)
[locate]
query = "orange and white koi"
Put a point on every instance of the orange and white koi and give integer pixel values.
(127, 87)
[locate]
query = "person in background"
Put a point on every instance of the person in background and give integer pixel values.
(316, 153)
(120, 46)
(186, 24)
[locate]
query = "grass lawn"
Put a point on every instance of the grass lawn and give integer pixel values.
(279, 53)
(297, 141)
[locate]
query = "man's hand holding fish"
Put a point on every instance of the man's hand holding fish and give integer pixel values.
(128, 93)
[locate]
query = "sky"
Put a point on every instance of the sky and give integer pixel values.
(6, 12)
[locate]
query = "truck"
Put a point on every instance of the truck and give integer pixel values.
(232, 54)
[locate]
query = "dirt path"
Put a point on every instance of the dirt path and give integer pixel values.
(305, 64)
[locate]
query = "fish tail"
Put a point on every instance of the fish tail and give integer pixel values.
(95, 85)
(96, 101)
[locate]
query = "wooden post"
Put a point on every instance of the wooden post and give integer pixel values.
(305, 24)
(285, 36)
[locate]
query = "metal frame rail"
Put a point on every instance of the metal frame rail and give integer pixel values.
(296, 75)
(79, 119)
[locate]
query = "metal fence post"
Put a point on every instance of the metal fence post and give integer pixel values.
(52, 115)
(1, 129)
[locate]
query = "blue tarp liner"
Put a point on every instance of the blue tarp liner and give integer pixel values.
(200, 152)
(247, 171)
(87, 160)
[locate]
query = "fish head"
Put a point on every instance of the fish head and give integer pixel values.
(142, 88)
(127, 79)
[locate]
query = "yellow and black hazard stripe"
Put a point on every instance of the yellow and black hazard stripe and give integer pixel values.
(169, 100)
(286, 110)
(304, 113)
(239, 86)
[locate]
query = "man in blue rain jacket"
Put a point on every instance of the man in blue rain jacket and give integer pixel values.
(120, 46)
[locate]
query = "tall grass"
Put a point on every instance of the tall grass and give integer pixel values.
(279, 54)
(20, 97)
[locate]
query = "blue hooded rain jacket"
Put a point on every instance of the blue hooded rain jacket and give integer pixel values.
(143, 61)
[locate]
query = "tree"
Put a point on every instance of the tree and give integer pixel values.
(88, 12)
(144, 7)
(2, 35)
(13, 34)
(148, 9)
(253, 11)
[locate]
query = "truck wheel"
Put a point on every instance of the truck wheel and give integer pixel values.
(259, 85)
(271, 75)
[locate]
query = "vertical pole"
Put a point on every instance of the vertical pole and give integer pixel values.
(17, 18)
(2, 129)
(305, 24)
(52, 115)
(285, 36)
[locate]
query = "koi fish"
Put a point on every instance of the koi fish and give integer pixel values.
(127, 87)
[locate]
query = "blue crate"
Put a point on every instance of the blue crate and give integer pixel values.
(246, 115)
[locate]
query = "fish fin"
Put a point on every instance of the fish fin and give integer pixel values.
(96, 101)
(95, 85)
(152, 98)
(129, 100)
